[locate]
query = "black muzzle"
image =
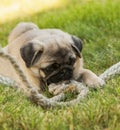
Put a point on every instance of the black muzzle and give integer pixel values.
(62, 74)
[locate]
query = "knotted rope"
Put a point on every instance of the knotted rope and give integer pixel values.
(57, 100)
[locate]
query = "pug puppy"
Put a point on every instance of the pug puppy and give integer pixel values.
(49, 56)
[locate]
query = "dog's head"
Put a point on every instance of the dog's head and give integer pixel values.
(52, 60)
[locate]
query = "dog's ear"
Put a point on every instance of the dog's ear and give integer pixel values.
(77, 45)
(31, 53)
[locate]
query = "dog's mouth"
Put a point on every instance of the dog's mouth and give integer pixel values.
(62, 74)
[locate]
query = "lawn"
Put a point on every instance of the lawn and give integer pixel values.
(97, 23)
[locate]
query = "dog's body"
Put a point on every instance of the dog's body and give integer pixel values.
(46, 56)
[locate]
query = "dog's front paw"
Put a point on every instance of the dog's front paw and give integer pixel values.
(91, 79)
(95, 82)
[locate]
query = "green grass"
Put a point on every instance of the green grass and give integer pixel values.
(97, 23)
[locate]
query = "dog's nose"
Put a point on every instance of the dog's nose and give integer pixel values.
(72, 60)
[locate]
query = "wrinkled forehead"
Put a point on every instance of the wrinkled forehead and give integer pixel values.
(59, 46)
(57, 41)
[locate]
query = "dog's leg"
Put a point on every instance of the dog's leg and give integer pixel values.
(90, 78)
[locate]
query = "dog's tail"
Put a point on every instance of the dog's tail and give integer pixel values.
(20, 29)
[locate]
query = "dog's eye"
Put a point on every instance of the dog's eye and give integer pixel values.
(51, 68)
(55, 65)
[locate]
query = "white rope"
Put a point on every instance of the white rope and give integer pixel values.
(7, 81)
(58, 100)
(111, 72)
